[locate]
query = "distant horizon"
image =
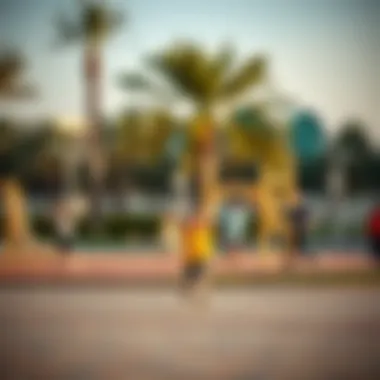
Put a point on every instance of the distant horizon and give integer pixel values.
(324, 54)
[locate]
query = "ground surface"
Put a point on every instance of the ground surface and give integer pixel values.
(111, 267)
(257, 334)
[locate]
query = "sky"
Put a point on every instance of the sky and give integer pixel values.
(324, 54)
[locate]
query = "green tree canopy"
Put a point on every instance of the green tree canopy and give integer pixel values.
(353, 139)
(12, 83)
(198, 75)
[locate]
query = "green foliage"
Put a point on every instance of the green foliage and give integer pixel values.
(143, 138)
(251, 72)
(93, 21)
(202, 77)
(118, 227)
(18, 150)
(354, 141)
(12, 84)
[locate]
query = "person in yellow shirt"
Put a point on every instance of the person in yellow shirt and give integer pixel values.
(197, 251)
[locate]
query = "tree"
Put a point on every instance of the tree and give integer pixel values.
(141, 139)
(12, 84)
(353, 143)
(206, 80)
(17, 153)
(14, 154)
(95, 22)
(45, 171)
(353, 139)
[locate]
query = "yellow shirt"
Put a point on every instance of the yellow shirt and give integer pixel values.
(197, 242)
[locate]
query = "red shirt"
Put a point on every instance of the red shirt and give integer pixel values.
(374, 222)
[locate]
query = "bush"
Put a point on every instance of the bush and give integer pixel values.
(114, 227)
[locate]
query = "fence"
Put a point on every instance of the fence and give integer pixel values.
(136, 221)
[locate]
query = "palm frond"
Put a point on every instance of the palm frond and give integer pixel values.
(221, 66)
(250, 74)
(187, 68)
(93, 20)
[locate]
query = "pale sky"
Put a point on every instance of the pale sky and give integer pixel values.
(324, 53)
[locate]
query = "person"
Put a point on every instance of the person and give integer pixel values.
(197, 250)
(63, 226)
(373, 231)
(68, 211)
(234, 221)
(298, 221)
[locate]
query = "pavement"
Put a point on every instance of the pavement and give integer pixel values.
(256, 334)
(106, 267)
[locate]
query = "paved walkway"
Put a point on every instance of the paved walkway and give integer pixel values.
(262, 334)
(105, 266)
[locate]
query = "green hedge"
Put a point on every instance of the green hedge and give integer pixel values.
(120, 227)
(114, 227)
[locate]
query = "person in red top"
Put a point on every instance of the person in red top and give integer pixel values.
(374, 231)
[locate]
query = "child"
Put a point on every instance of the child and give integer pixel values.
(197, 251)
(64, 226)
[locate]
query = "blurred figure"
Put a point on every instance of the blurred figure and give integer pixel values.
(374, 232)
(234, 219)
(68, 211)
(298, 227)
(64, 226)
(197, 251)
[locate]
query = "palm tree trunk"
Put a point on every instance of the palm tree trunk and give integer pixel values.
(17, 230)
(207, 169)
(92, 67)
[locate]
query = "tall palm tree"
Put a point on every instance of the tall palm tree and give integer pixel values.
(208, 81)
(95, 22)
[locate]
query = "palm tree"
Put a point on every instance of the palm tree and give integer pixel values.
(208, 81)
(95, 22)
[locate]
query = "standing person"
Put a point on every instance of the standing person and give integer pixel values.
(197, 251)
(64, 226)
(235, 220)
(373, 232)
(68, 211)
(298, 223)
